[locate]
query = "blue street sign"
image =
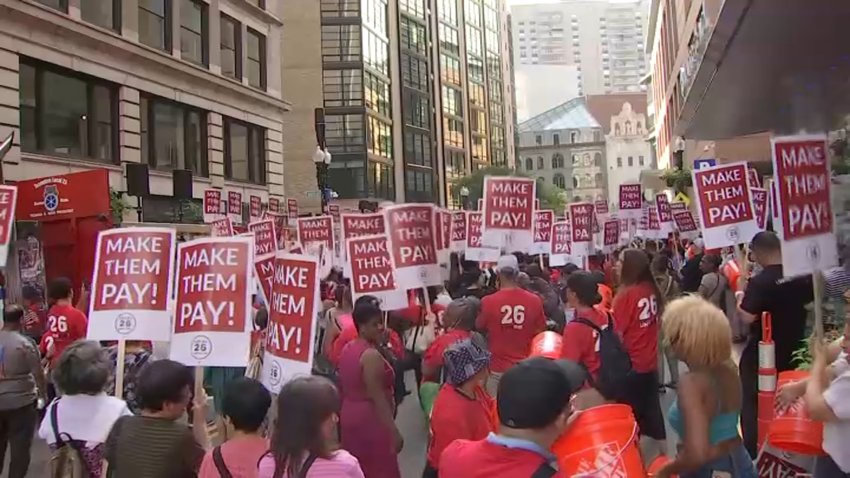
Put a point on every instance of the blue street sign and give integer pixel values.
(704, 163)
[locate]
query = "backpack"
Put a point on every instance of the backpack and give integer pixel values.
(67, 460)
(615, 371)
(544, 471)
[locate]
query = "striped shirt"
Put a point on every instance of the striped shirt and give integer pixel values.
(837, 281)
(147, 447)
(341, 465)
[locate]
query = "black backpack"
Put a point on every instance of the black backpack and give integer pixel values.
(615, 371)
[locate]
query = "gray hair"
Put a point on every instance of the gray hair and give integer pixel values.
(83, 369)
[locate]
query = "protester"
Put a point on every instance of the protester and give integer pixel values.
(243, 408)
(137, 355)
(534, 410)
(337, 318)
(155, 443)
(35, 313)
(606, 294)
(85, 414)
(366, 378)
(459, 322)
(510, 318)
(463, 410)
(580, 340)
(65, 324)
(22, 383)
(785, 300)
(637, 308)
(691, 271)
(708, 405)
(302, 441)
(669, 288)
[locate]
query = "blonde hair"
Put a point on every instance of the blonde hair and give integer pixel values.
(697, 332)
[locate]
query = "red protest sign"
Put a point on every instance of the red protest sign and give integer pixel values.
(475, 249)
(542, 232)
(265, 247)
(314, 230)
(372, 271)
(222, 227)
(801, 166)
(759, 197)
(611, 235)
(631, 200)
(442, 226)
(8, 199)
(723, 202)
(357, 225)
(256, 206)
(458, 230)
(662, 205)
(333, 210)
(274, 205)
(581, 224)
(412, 244)
(653, 225)
(561, 244)
(684, 221)
(212, 317)
(212, 204)
(292, 317)
(753, 178)
(292, 207)
(601, 206)
(508, 208)
(677, 206)
(132, 283)
(234, 205)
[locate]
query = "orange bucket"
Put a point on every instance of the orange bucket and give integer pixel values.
(732, 273)
(547, 344)
(657, 464)
(601, 442)
(792, 429)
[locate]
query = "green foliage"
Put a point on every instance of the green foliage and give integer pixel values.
(550, 196)
(802, 357)
(117, 205)
(678, 179)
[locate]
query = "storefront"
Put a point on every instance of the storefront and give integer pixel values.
(57, 222)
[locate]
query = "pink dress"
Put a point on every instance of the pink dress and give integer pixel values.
(363, 434)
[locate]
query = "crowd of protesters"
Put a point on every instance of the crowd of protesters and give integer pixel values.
(649, 319)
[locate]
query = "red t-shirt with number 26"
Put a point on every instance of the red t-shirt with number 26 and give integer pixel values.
(65, 325)
(636, 319)
(510, 318)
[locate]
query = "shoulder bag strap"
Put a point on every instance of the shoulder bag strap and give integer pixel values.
(590, 324)
(54, 422)
(544, 471)
(218, 460)
(305, 467)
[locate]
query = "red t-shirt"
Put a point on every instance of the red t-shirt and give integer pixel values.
(581, 343)
(65, 325)
(349, 333)
(433, 356)
(458, 417)
(636, 319)
(482, 459)
(511, 318)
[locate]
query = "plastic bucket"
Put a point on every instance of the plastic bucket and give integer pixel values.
(602, 442)
(792, 429)
(547, 344)
(657, 464)
(732, 273)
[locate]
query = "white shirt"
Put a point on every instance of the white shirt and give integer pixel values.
(836, 435)
(87, 418)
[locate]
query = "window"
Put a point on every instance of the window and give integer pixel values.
(640, 160)
(231, 48)
(557, 160)
(412, 35)
(155, 24)
(342, 87)
(413, 7)
(416, 109)
(67, 113)
(173, 136)
(540, 162)
(448, 11)
(449, 41)
(344, 133)
(377, 94)
(452, 101)
(380, 138)
(573, 137)
(417, 149)
(619, 162)
(597, 159)
(61, 5)
(244, 151)
(419, 184)
(631, 161)
(380, 180)
(453, 132)
(103, 13)
(375, 52)
(194, 33)
(258, 3)
(256, 62)
(414, 72)
(529, 164)
(538, 140)
(556, 140)
(340, 42)
(559, 181)
(450, 69)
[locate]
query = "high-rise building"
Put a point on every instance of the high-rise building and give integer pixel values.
(602, 39)
(416, 93)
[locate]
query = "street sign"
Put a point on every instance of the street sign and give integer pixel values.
(704, 163)
(683, 198)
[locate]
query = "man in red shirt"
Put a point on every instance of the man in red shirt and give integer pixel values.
(510, 318)
(534, 410)
(65, 324)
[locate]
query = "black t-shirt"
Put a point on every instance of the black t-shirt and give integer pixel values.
(785, 300)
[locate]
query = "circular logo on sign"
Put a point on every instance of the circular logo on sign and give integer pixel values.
(125, 323)
(813, 253)
(275, 373)
(200, 347)
(732, 234)
(51, 201)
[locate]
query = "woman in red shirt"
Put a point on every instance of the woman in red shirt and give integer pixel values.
(463, 410)
(637, 308)
(581, 342)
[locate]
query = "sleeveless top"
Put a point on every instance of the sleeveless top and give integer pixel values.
(722, 427)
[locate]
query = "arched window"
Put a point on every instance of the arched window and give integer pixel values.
(573, 137)
(575, 160)
(586, 159)
(541, 180)
(628, 127)
(540, 162)
(557, 160)
(529, 164)
(598, 180)
(577, 199)
(575, 182)
(554, 161)
(588, 198)
(558, 180)
(597, 159)
(518, 164)
(616, 129)
(639, 128)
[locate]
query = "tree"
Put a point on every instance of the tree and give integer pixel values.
(550, 197)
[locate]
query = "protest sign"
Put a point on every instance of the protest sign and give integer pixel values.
(274, 205)
(561, 244)
(222, 227)
(333, 210)
(133, 272)
(801, 168)
(234, 206)
(774, 210)
(316, 230)
(601, 207)
(724, 205)
(665, 214)
(536, 204)
(8, 199)
(508, 209)
(413, 249)
(685, 224)
(372, 271)
(643, 223)
(256, 209)
(459, 231)
(443, 228)
(212, 205)
(610, 235)
(357, 225)
(759, 197)
(292, 210)
(212, 306)
(542, 232)
(581, 226)
(293, 314)
(474, 249)
(265, 247)
(753, 178)
(653, 225)
(631, 201)
(677, 206)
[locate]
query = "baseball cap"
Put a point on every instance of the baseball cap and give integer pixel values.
(463, 360)
(536, 390)
(507, 263)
